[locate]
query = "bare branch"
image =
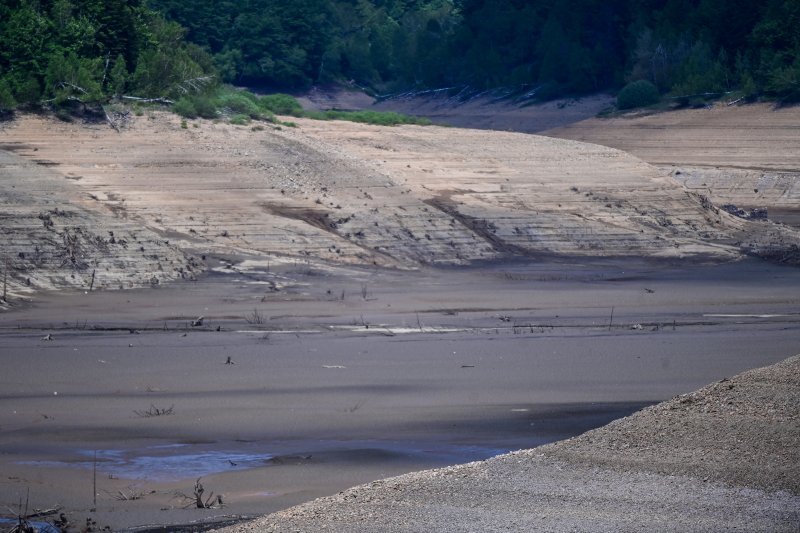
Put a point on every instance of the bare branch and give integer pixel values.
(164, 101)
(65, 84)
(194, 84)
(155, 411)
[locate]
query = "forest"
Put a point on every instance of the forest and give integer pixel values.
(56, 51)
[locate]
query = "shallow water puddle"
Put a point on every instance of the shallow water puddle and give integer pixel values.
(175, 462)
(171, 462)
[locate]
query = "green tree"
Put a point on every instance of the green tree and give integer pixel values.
(23, 54)
(118, 76)
(637, 94)
(6, 96)
(701, 73)
(69, 77)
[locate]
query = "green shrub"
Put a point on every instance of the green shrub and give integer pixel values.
(639, 93)
(785, 82)
(26, 90)
(185, 108)
(240, 120)
(281, 104)
(240, 103)
(205, 106)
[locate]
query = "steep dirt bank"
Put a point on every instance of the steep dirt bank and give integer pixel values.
(698, 462)
(51, 238)
(365, 195)
(492, 110)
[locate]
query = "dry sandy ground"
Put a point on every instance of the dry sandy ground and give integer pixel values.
(747, 155)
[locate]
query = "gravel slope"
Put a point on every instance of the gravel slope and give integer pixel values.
(722, 458)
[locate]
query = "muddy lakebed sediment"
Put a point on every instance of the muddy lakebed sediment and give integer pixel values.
(348, 375)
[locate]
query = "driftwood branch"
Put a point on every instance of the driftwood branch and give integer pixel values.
(699, 94)
(209, 502)
(198, 500)
(105, 69)
(117, 119)
(64, 84)
(164, 101)
(116, 128)
(69, 98)
(155, 411)
(194, 84)
(40, 513)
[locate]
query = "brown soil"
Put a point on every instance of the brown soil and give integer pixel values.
(54, 238)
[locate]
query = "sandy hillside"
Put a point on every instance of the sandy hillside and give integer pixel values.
(353, 194)
(722, 458)
(744, 155)
(53, 238)
(492, 112)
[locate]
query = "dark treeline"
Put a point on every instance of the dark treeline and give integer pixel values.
(681, 46)
(284, 44)
(554, 47)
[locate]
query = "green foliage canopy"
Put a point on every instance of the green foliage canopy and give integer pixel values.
(171, 48)
(58, 51)
(639, 93)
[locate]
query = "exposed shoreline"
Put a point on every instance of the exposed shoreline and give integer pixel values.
(720, 458)
(508, 358)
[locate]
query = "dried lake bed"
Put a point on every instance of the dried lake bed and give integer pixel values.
(409, 370)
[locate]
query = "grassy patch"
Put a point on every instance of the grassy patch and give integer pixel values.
(281, 104)
(378, 118)
(240, 107)
(239, 120)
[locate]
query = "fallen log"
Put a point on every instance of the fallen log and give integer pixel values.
(159, 100)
